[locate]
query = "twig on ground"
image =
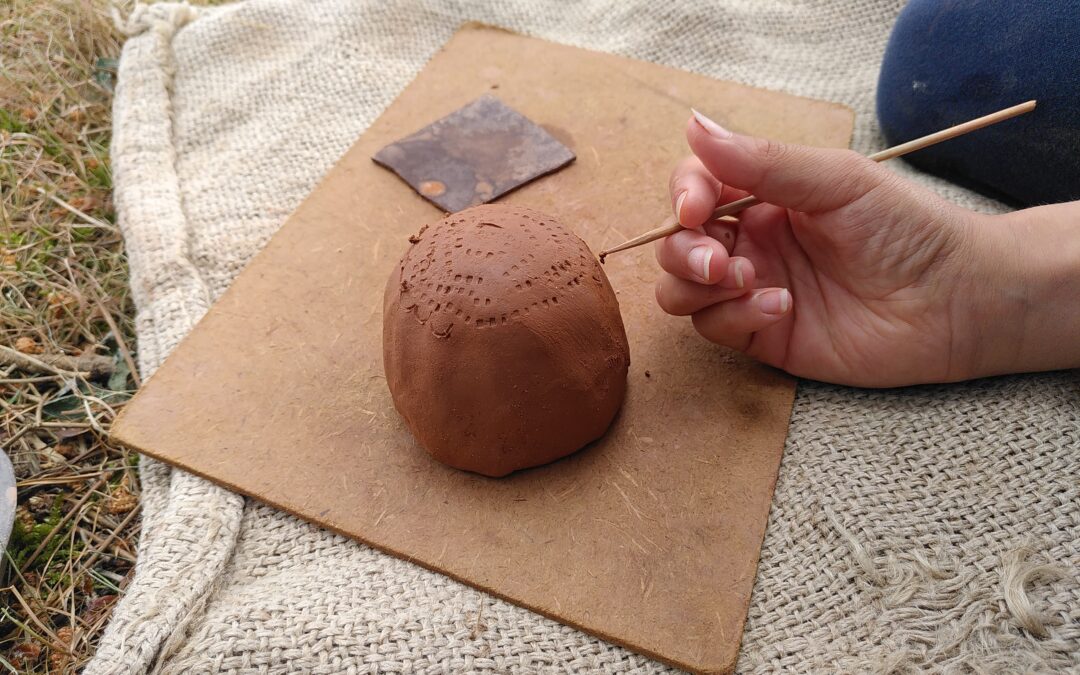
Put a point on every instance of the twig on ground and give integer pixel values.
(91, 366)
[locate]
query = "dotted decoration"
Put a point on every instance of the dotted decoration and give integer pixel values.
(491, 266)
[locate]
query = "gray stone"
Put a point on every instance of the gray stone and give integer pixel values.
(7, 500)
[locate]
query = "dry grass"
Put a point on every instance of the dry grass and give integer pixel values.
(63, 291)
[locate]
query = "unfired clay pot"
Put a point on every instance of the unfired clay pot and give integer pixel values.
(502, 340)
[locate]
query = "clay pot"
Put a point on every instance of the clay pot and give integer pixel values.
(502, 340)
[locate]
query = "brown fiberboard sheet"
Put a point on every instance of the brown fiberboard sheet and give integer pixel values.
(649, 538)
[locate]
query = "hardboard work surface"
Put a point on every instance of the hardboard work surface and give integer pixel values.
(648, 538)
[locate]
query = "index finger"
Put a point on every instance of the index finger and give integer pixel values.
(695, 193)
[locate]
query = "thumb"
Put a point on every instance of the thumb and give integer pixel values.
(797, 177)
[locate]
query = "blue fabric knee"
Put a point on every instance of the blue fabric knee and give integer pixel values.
(948, 61)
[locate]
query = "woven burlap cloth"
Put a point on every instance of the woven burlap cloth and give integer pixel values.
(929, 528)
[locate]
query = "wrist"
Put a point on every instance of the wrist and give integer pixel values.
(1025, 314)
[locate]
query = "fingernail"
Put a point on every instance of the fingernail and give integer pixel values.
(678, 206)
(714, 129)
(774, 302)
(738, 274)
(699, 258)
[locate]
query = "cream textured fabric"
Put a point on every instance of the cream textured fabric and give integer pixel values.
(930, 528)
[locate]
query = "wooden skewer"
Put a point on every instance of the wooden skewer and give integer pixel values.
(671, 226)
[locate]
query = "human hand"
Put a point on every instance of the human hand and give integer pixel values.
(848, 273)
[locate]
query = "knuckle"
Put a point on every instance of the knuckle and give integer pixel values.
(848, 167)
(855, 177)
(669, 261)
(711, 326)
(829, 179)
(685, 167)
(703, 323)
(774, 157)
(773, 153)
(856, 168)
